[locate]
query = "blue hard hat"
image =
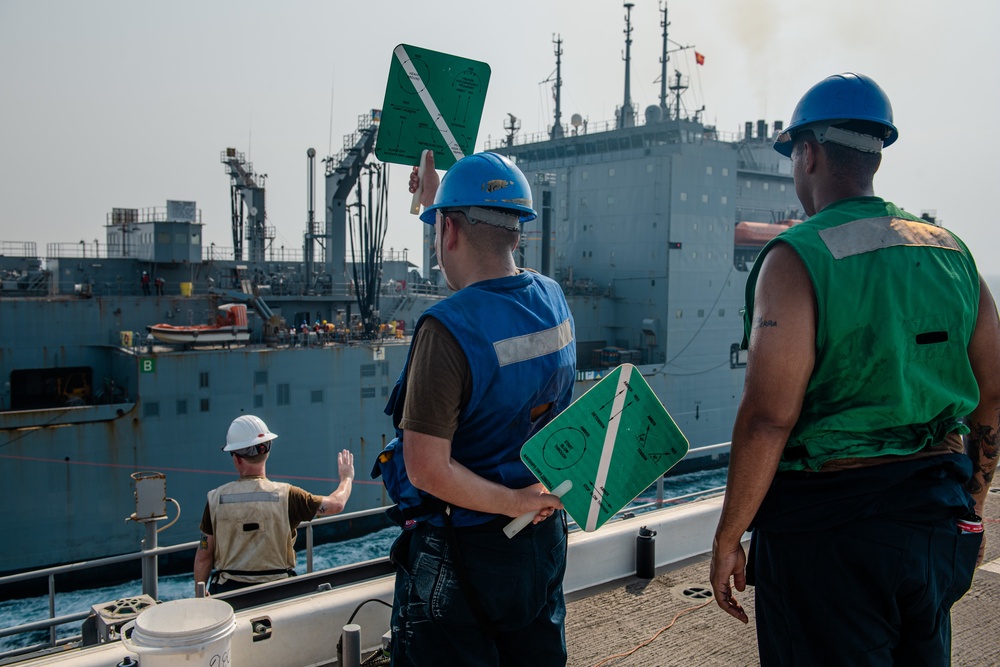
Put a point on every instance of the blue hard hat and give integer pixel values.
(840, 98)
(488, 180)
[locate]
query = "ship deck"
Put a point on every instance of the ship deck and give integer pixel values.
(616, 620)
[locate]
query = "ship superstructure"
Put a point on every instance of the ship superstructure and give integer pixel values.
(649, 223)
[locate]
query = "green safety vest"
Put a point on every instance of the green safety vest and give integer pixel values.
(897, 300)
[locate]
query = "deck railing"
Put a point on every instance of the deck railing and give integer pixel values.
(149, 557)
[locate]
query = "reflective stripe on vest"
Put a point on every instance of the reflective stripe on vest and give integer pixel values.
(530, 346)
(868, 234)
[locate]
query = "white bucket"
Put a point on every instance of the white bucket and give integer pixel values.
(195, 631)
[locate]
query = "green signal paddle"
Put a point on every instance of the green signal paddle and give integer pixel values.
(433, 101)
(610, 444)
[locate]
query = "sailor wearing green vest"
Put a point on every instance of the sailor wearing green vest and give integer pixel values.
(874, 346)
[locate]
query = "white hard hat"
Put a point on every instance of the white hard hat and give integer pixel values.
(247, 431)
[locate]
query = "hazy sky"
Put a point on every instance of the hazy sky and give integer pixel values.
(129, 103)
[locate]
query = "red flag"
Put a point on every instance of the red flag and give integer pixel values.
(699, 58)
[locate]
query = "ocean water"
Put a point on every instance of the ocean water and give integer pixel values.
(334, 554)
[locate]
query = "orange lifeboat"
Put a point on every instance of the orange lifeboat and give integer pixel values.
(230, 325)
(757, 234)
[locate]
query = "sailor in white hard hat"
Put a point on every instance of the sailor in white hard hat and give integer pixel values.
(248, 526)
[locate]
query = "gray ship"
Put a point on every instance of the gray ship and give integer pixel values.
(134, 355)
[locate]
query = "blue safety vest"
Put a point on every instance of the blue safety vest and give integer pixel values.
(518, 337)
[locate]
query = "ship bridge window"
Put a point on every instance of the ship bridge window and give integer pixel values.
(611, 172)
(748, 185)
(723, 200)
(258, 400)
(182, 406)
(781, 188)
(163, 238)
(704, 199)
(284, 394)
(316, 396)
(260, 377)
(611, 200)
(195, 238)
(203, 380)
(767, 185)
(679, 314)
(708, 170)
(204, 405)
(725, 171)
(649, 168)
(584, 175)
(701, 312)
(151, 409)
(684, 196)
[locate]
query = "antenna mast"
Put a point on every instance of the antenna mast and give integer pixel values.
(626, 117)
(557, 129)
(512, 125)
(311, 228)
(679, 87)
(664, 59)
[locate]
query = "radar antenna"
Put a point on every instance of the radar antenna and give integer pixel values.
(678, 89)
(512, 125)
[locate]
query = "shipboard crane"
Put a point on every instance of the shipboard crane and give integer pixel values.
(246, 190)
(342, 173)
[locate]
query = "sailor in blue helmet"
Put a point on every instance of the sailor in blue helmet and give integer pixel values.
(874, 346)
(488, 367)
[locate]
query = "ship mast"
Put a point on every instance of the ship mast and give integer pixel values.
(557, 129)
(664, 59)
(311, 229)
(678, 89)
(512, 125)
(626, 117)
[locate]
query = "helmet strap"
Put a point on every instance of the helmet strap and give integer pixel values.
(860, 142)
(489, 216)
(253, 450)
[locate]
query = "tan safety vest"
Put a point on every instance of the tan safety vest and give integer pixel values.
(253, 539)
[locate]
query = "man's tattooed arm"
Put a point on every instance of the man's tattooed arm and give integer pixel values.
(983, 446)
